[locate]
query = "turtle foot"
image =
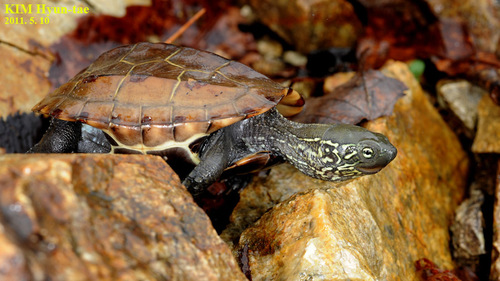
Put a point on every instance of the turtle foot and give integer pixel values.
(196, 186)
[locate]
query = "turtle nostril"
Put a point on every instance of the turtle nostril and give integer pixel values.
(392, 152)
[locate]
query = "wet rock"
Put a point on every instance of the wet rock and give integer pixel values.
(104, 217)
(378, 225)
(488, 127)
(310, 25)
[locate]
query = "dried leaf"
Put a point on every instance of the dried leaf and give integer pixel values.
(402, 32)
(217, 32)
(368, 95)
(429, 271)
(483, 70)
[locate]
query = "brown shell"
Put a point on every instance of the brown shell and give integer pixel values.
(150, 94)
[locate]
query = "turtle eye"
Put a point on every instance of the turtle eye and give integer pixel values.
(368, 152)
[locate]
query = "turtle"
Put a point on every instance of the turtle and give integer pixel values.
(206, 115)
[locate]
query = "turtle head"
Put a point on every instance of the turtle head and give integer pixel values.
(341, 152)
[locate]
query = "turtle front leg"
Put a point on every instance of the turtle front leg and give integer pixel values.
(213, 161)
(61, 137)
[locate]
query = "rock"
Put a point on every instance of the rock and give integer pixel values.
(497, 52)
(25, 58)
(462, 98)
(104, 217)
(305, 86)
(335, 80)
(295, 58)
(24, 79)
(312, 24)
(24, 55)
(377, 225)
(261, 195)
(270, 67)
(269, 48)
(34, 37)
(488, 127)
(480, 16)
(309, 237)
(116, 8)
(467, 230)
(495, 253)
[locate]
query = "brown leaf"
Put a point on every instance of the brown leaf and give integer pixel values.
(367, 95)
(406, 30)
(483, 70)
(429, 271)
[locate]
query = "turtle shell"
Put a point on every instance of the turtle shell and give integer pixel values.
(152, 97)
